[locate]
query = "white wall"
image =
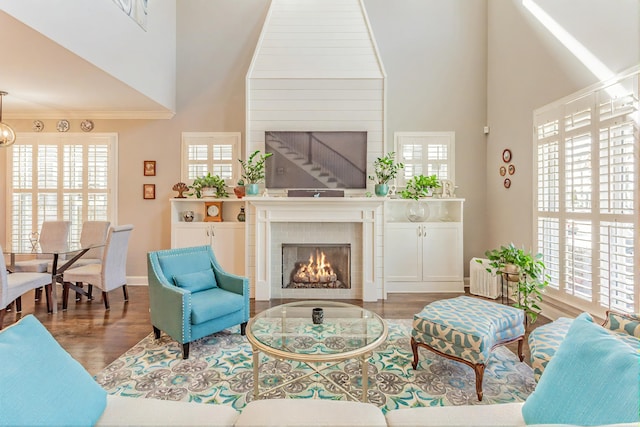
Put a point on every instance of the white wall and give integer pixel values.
(104, 35)
(528, 68)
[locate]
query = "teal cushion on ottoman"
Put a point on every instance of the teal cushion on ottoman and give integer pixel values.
(593, 379)
(467, 327)
(544, 341)
(41, 384)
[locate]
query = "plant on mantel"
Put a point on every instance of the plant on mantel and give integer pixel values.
(385, 169)
(253, 167)
(526, 270)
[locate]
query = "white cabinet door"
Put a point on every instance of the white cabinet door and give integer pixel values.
(442, 252)
(190, 234)
(228, 247)
(403, 252)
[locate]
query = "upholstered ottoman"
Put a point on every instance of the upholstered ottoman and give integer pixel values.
(467, 329)
(544, 341)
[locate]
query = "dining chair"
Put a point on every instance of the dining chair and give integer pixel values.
(53, 234)
(14, 285)
(110, 274)
(93, 233)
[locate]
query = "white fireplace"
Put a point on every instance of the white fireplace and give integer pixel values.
(356, 221)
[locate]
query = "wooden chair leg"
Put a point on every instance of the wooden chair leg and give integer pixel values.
(156, 333)
(105, 298)
(38, 295)
(50, 301)
(2, 313)
(185, 350)
(479, 369)
(124, 291)
(10, 306)
(243, 328)
(78, 294)
(90, 292)
(65, 295)
(19, 304)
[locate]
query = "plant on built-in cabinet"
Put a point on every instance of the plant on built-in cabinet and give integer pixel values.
(209, 186)
(420, 186)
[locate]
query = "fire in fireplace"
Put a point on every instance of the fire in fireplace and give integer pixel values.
(316, 266)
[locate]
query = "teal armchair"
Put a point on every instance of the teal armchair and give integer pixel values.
(190, 296)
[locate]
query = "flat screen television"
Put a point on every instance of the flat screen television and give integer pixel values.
(315, 160)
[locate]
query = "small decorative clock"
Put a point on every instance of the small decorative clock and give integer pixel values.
(213, 211)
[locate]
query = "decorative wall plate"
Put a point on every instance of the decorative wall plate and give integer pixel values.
(506, 155)
(507, 183)
(503, 171)
(86, 125)
(512, 169)
(38, 126)
(63, 125)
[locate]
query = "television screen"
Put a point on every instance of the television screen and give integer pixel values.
(314, 160)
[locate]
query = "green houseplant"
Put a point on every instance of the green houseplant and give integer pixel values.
(209, 185)
(253, 171)
(420, 186)
(524, 269)
(384, 170)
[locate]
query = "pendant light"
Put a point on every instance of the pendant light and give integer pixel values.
(7, 135)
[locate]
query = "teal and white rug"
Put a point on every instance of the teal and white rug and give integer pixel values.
(220, 370)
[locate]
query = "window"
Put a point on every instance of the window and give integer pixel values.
(425, 153)
(586, 205)
(214, 152)
(51, 177)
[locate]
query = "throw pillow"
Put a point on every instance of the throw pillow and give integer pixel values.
(626, 323)
(41, 383)
(196, 282)
(592, 379)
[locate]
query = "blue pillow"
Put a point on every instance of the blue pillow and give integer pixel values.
(593, 379)
(41, 384)
(196, 282)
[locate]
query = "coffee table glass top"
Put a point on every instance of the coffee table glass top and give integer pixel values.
(288, 331)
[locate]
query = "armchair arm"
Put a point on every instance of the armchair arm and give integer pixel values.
(169, 306)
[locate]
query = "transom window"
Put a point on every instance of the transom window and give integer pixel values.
(51, 177)
(210, 152)
(587, 196)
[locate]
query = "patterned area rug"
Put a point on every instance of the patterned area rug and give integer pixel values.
(219, 370)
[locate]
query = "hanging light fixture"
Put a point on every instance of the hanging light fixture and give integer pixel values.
(7, 135)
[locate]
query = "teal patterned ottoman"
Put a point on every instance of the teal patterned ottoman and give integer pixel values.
(467, 329)
(544, 341)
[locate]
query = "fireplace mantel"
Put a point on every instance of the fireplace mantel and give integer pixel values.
(366, 211)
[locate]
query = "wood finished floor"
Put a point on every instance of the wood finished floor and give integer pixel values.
(96, 337)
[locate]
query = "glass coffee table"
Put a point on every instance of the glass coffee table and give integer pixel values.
(288, 332)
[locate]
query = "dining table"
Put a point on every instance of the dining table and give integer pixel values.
(62, 258)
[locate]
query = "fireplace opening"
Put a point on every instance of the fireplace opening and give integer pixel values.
(316, 266)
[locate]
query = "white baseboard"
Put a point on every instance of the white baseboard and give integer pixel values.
(137, 281)
(422, 287)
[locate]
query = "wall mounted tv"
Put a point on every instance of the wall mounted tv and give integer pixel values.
(315, 160)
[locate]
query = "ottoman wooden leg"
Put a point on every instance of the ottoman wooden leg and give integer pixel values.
(520, 345)
(479, 369)
(414, 348)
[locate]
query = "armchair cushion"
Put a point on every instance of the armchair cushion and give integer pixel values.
(214, 303)
(196, 282)
(41, 383)
(591, 371)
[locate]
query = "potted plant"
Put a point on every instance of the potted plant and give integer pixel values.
(253, 171)
(239, 189)
(524, 269)
(420, 186)
(209, 186)
(384, 170)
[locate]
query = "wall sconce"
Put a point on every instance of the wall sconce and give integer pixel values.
(7, 135)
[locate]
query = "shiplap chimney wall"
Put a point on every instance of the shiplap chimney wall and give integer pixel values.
(316, 68)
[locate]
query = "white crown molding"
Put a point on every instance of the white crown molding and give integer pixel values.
(93, 115)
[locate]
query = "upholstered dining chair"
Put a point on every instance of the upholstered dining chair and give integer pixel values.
(93, 233)
(53, 234)
(191, 296)
(14, 285)
(110, 274)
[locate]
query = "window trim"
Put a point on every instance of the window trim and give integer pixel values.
(451, 145)
(208, 137)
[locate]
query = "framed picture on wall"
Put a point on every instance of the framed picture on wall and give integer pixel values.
(149, 191)
(149, 168)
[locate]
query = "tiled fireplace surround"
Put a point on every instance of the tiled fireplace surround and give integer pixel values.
(277, 220)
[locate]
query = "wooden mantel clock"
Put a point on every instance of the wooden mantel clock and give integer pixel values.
(213, 211)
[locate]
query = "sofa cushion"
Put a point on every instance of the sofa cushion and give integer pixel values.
(309, 412)
(214, 303)
(196, 281)
(129, 411)
(41, 384)
(504, 415)
(592, 379)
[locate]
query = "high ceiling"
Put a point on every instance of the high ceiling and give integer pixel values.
(45, 80)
